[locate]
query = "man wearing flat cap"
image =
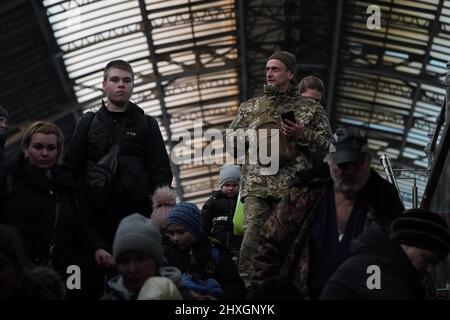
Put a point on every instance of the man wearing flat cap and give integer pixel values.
(309, 234)
(418, 240)
(3, 125)
(302, 144)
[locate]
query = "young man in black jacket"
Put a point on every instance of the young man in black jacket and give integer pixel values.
(143, 163)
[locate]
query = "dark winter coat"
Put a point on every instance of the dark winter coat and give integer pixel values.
(224, 270)
(40, 283)
(28, 201)
(398, 278)
(285, 237)
(143, 163)
(217, 216)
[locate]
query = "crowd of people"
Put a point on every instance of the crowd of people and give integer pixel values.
(312, 229)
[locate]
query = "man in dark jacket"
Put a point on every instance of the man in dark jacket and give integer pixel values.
(392, 266)
(309, 234)
(143, 163)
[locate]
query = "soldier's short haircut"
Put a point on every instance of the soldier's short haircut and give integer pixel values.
(118, 64)
(311, 82)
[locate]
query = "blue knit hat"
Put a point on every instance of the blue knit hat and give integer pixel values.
(188, 216)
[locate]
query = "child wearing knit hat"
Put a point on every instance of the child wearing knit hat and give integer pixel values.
(218, 211)
(199, 260)
(138, 253)
(164, 199)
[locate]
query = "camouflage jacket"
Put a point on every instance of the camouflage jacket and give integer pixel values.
(283, 246)
(309, 148)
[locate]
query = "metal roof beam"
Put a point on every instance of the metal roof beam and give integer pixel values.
(243, 81)
(334, 57)
(56, 55)
(11, 4)
(391, 72)
(433, 32)
(165, 116)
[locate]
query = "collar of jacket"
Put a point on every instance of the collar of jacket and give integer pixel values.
(22, 169)
(272, 91)
(132, 108)
(219, 194)
(132, 114)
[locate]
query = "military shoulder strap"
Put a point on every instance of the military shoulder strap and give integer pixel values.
(263, 105)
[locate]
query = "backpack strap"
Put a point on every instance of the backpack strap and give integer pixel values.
(86, 121)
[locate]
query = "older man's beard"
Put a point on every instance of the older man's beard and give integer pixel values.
(350, 190)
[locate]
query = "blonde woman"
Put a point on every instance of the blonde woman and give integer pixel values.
(38, 198)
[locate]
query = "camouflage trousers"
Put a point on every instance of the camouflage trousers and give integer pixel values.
(257, 211)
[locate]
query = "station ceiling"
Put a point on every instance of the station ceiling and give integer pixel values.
(195, 61)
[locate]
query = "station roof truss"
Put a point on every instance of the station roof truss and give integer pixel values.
(195, 60)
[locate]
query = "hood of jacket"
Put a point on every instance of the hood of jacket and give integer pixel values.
(376, 241)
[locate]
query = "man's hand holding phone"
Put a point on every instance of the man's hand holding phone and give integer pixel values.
(290, 126)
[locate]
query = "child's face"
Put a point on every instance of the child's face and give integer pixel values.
(179, 236)
(230, 189)
(136, 267)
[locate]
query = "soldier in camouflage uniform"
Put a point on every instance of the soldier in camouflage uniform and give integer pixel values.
(309, 234)
(308, 140)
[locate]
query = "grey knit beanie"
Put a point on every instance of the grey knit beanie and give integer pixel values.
(289, 60)
(229, 172)
(138, 233)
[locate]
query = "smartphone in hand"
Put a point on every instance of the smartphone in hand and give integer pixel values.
(288, 116)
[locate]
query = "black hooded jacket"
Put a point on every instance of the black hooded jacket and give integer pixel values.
(398, 278)
(143, 163)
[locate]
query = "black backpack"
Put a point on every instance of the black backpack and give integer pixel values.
(100, 177)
